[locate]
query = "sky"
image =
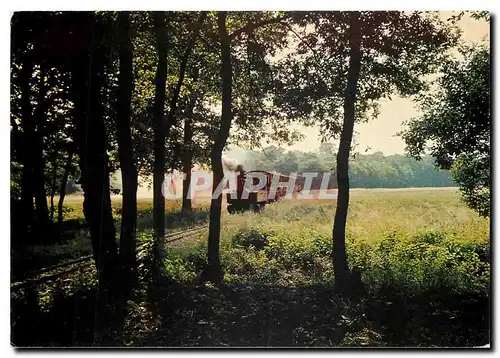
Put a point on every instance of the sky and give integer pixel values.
(380, 134)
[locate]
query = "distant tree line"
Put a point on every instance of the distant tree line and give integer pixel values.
(366, 170)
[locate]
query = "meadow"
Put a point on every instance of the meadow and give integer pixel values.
(422, 256)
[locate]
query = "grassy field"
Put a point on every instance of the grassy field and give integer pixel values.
(429, 230)
(422, 255)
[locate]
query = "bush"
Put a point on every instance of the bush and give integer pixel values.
(180, 270)
(293, 250)
(253, 238)
(428, 261)
(197, 258)
(242, 265)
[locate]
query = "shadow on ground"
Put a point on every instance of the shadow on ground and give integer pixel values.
(86, 318)
(253, 315)
(244, 315)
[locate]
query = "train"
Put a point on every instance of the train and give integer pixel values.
(240, 199)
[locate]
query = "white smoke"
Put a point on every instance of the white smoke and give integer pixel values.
(229, 163)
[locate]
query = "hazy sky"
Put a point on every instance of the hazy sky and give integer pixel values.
(380, 133)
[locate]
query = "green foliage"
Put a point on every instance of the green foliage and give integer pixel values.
(430, 261)
(411, 241)
(427, 262)
(408, 245)
(421, 254)
(253, 238)
(455, 125)
(293, 250)
(179, 270)
(472, 173)
(397, 49)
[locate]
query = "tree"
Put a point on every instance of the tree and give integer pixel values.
(88, 79)
(160, 27)
(199, 118)
(214, 270)
(244, 24)
(455, 126)
(171, 120)
(68, 167)
(43, 138)
(125, 146)
(365, 56)
(29, 114)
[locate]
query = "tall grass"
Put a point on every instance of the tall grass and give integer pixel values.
(408, 241)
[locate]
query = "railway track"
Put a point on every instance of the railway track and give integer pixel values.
(41, 275)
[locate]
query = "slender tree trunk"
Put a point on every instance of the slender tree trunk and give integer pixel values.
(27, 204)
(53, 189)
(213, 271)
(41, 205)
(159, 139)
(33, 181)
(182, 73)
(125, 150)
(88, 81)
(339, 252)
(171, 119)
(187, 159)
(64, 182)
(187, 165)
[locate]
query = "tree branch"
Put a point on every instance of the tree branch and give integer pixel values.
(182, 70)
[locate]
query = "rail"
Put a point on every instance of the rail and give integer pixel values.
(85, 260)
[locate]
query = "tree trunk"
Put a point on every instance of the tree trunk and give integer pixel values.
(125, 150)
(33, 181)
(27, 205)
(88, 81)
(41, 206)
(182, 73)
(64, 182)
(213, 271)
(339, 252)
(187, 165)
(187, 159)
(159, 140)
(53, 189)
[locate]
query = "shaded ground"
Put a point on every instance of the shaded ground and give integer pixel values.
(244, 315)
(314, 316)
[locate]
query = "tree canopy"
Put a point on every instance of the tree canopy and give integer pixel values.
(455, 125)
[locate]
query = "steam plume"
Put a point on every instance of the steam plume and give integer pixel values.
(229, 163)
